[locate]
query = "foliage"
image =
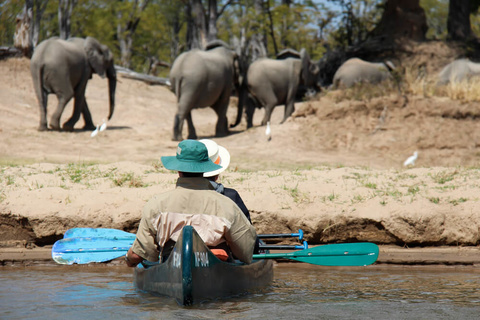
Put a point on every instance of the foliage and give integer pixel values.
(161, 33)
(437, 13)
(9, 9)
(358, 18)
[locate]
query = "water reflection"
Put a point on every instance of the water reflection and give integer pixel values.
(299, 291)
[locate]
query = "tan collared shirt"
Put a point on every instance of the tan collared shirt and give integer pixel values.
(215, 217)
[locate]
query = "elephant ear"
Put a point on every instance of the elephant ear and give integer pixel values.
(95, 55)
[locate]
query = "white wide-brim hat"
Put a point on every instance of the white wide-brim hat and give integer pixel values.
(218, 154)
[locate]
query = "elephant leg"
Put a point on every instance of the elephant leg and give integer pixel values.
(79, 104)
(43, 111)
(250, 110)
(192, 133)
(87, 117)
(220, 107)
(62, 102)
(289, 109)
(178, 126)
(268, 113)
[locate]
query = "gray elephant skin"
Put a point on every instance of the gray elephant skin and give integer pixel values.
(203, 78)
(356, 70)
(457, 71)
(271, 82)
(63, 67)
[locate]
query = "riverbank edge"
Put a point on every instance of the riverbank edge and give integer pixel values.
(389, 255)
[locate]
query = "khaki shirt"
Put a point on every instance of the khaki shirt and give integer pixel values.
(215, 217)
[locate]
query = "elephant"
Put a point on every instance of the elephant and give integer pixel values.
(63, 67)
(203, 78)
(271, 82)
(458, 70)
(356, 70)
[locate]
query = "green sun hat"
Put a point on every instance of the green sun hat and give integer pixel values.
(192, 156)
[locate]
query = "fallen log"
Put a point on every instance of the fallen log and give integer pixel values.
(151, 80)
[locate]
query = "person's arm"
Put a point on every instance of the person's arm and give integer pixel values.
(144, 247)
(241, 236)
(132, 259)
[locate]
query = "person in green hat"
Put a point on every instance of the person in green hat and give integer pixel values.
(194, 201)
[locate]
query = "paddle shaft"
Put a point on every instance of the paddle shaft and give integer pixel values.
(123, 235)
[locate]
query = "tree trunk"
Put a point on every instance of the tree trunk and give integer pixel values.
(403, 19)
(196, 25)
(39, 6)
(125, 33)
(65, 9)
(212, 20)
(458, 22)
(258, 39)
(285, 25)
(174, 36)
(23, 31)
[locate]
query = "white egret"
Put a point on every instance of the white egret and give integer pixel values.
(268, 131)
(411, 159)
(103, 126)
(94, 132)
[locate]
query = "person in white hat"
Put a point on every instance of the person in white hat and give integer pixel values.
(219, 155)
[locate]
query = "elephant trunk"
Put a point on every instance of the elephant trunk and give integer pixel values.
(112, 85)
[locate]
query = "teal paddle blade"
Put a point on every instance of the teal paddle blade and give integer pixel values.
(342, 254)
(87, 250)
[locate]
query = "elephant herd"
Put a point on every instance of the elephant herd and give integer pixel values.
(199, 79)
(206, 78)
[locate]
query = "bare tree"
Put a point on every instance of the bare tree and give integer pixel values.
(65, 9)
(126, 31)
(28, 26)
(196, 27)
(202, 23)
(23, 31)
(258, 41)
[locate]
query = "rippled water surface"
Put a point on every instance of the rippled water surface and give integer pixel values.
(300, 291)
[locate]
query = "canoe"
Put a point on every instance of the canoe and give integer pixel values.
(192, 273)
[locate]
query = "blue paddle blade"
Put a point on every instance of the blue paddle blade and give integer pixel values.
(342, 254)
(87, 250)
(98, 233)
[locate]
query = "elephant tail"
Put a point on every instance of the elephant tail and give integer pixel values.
(37, 76)
(242, 99)
(175, 86)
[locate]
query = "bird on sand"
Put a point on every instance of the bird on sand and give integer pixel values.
(268, 131)
(94, 132)
(411, 159)
(103, 126)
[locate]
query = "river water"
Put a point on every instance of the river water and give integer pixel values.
(299, 291)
